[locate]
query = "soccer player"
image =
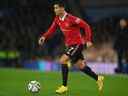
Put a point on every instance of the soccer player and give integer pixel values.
(74, 41)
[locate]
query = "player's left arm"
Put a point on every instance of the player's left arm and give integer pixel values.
(87, 29)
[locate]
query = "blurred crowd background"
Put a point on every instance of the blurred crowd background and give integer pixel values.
(23, 21)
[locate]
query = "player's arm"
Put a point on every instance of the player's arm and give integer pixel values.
(49, 33)
(87, 29)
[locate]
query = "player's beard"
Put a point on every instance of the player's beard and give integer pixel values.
(57, 14)
(60, 14)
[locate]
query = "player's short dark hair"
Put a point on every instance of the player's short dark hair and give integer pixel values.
(59, 3)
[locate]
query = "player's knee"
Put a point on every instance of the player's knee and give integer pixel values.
(64, 59)
(81, 65)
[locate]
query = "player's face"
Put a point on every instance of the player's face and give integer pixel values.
(58, 10)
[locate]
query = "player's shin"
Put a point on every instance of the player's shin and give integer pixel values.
(87, 70)
(65, 70)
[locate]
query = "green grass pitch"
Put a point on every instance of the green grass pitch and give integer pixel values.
(13, 83)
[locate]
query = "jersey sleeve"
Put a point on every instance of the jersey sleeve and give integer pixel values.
(51, 29)
(85, 26)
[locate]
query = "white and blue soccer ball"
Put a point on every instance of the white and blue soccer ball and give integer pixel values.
(34, 86)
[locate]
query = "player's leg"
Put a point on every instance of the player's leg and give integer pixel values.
(68, 54)
(87, 70)
(64, 68)
(78, 58)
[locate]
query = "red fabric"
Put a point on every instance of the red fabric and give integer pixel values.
(70, 27)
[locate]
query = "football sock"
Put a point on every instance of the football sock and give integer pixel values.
(64, 74)
(87, 70)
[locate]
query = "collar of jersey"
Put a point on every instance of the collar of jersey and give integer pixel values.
(63, 18)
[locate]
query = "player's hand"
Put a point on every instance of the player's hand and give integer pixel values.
(41, 40)
(89, 44)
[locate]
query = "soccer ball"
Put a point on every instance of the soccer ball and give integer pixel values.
(33, 86)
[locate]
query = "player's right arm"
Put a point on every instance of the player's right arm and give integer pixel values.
(49, 33)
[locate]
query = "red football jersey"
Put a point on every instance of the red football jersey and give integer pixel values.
(70, 26)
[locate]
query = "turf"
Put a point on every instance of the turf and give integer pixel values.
(13, 83)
